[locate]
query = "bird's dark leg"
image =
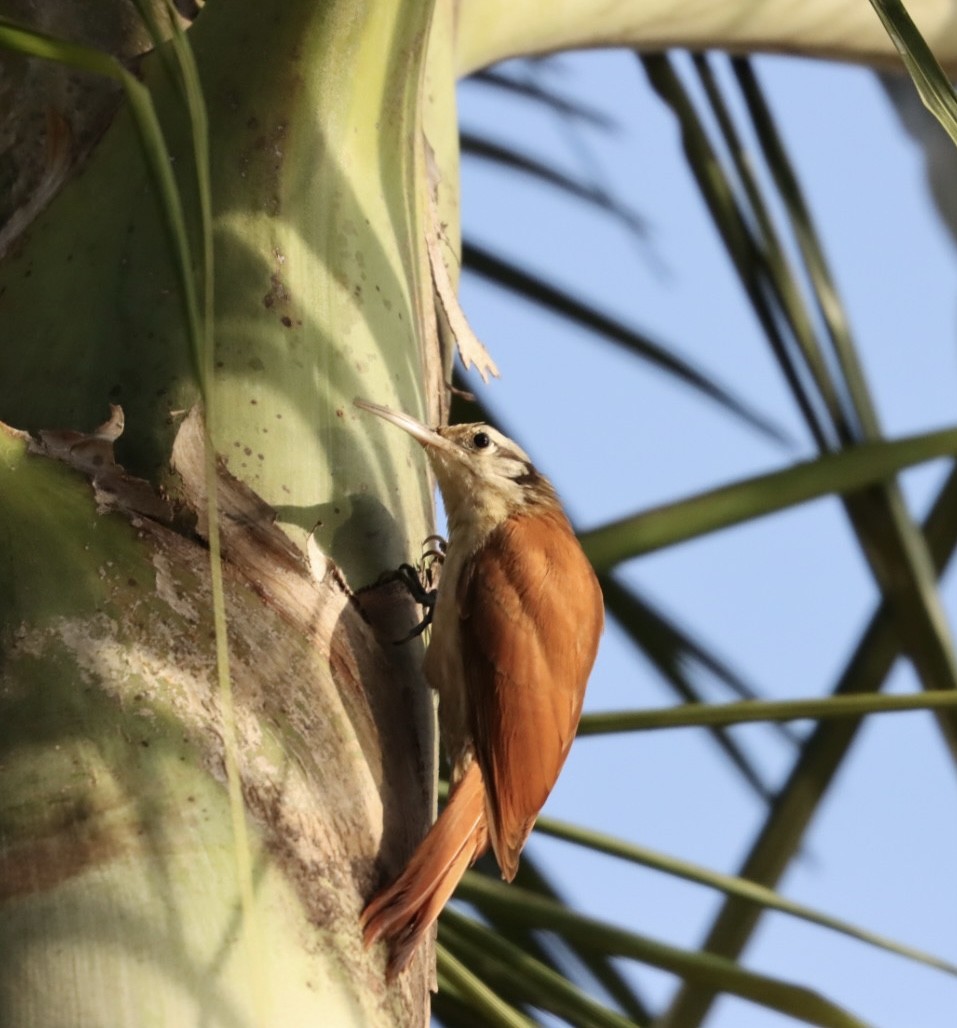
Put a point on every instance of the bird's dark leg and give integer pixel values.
(422, 582)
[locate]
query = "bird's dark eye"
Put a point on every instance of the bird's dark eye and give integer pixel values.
(481, 440)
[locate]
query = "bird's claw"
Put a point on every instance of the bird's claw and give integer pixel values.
(422, 582)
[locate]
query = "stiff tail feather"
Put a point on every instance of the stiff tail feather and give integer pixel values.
(404, 911)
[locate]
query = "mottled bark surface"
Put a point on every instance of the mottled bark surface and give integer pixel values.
(113, 815)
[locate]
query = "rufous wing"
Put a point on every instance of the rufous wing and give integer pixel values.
(534, 615)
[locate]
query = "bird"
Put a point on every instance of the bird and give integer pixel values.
(516, 623)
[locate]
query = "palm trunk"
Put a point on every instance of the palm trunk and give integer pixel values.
(130, 894)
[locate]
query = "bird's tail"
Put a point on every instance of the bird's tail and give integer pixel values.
(404, 911)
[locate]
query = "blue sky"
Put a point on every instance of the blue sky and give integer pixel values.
(784, 599)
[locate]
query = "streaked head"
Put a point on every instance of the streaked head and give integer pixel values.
(483, 475)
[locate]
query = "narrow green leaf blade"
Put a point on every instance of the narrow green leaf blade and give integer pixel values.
(564, 106)
(699, 715)
(702, 968)
(483, 149)
(664, 646)
(510, 969)
(731, 885)
(536, 290)
(839, 473)
(495, 1012)
(929, 77)
(823, 754)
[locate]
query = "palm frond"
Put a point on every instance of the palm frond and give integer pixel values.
(784, 271)
(733, 885)
(821, 757)
(702, 968)
(535, 289)
(929, 77)
(844, 472)
(529, 89)
(518, 974)
(478, 147)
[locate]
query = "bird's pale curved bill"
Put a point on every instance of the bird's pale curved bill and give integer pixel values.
(425, 435)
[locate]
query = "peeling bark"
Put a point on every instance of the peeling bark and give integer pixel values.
(321, 709)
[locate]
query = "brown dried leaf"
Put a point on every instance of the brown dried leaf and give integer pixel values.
(471, 349)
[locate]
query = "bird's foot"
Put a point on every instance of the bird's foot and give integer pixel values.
(421, 581)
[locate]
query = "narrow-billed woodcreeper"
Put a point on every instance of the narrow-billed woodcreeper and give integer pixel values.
(516, 624)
